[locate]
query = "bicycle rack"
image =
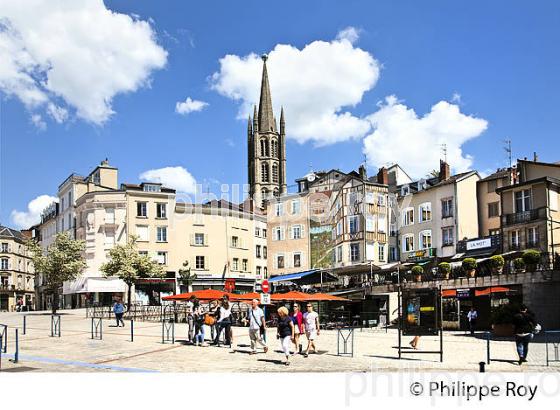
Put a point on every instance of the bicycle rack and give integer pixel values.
(97, 328)
(167, 331)
(555, 346)
(55, 325)
(345, 339)
(3, 338)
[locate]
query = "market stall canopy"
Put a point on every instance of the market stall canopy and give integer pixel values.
(246, 296)
(309, 277)
(205, 294)
(325, 297)
(493, 289)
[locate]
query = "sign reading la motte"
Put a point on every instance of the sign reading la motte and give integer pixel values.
(264, 286)
(265, 298)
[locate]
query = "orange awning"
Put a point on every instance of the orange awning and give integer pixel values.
(296, 296)
(205, 294)
(449, 293)
(327, 298)
(246, 296)
(493, 289)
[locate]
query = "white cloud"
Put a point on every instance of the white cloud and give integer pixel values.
(59, 114)
(190, 105)
(352, 34)
(316, 85)
(38, 122)
(172, 177)
(26, 219)
(400, 136)
(77, 51)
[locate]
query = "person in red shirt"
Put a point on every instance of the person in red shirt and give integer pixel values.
(297, 319)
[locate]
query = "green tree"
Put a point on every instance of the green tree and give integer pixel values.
(186, 277)
(125, 263)
(63, 261)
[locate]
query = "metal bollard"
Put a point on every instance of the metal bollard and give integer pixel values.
(0, 352)
(16, 352)
(24, 324)
(132, 330)
(482, 367)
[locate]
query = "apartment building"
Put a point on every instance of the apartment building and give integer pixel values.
(17, 277)
(489, 207)
(435, 213)
(530, 209)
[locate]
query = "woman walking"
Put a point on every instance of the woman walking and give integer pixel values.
(198, 317)
(285, 332)
(297, 319)
(224, 323)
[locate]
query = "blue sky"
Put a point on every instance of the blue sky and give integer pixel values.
(491, 66)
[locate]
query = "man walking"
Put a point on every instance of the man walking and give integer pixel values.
(472, 316)
(257, 326)
(190, 318)
(524, 324)
(118, 310)
(311, 324)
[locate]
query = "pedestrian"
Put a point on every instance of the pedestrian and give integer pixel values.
(118, 310)
(414, 342)
(231, 321)
(472, 315)
(223, 323)
(312, 330)
(297, 318)
(524, 325)
(190, 318)
(257, 326)
(285, 332)
(198, 319)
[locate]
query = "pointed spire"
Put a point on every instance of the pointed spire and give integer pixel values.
(282, 121)
(249, 126)
(266, 116)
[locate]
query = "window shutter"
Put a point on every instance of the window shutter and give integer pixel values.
(206, 239)
(290, 233)
(302, 231)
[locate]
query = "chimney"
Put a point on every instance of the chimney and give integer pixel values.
(383, 176)
(363, 173)
(444, 171)
(535, 157)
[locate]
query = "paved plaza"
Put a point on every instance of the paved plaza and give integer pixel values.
(75, 351)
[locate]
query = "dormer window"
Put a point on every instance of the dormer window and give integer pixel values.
(151, 188)
(405, 190)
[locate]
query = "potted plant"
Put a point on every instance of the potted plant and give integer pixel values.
(532, 258)
(502, 319)
(417, 271)
(444, 269)
(497, 263)
(469, 266)
(519, 265)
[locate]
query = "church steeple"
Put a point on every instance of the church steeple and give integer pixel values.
(266, 115)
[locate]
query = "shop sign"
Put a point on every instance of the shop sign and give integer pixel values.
(479, 244)
(463, 293)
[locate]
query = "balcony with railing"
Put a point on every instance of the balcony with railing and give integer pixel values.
(524, 217)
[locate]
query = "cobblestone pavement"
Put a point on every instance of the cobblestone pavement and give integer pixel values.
(75, 351)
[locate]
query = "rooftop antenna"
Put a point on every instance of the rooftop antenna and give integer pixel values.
(444, 151)
(507, 148)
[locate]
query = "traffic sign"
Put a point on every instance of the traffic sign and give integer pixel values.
(264, 286)
(265, 298)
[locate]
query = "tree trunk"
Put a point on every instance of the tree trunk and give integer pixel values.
(55, 301)
(129, 297)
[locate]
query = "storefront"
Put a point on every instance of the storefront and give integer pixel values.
(457, 303)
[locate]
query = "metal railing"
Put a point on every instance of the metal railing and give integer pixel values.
(523, 217)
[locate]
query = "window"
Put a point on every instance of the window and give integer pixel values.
(258, 251)
(264, 172)
(235, 265)
(109, 239)
(161, 211)
(4, 247)
(296, 232)
(296, 207)
(381, 223)
(280, 261)
(257, 232)
(264, 233)
(408, 217)
(264, 148)
(109, 215)
(274, 148)
(143, 253)
(234, 242)
(278, 234)
(447, 208)
(393, 256)
(265, 251)
(354, 252)
(381, 199)
(275, 173)
(370, 198)
(523, 200)
(492, 185)
(151, 188)
(258, 271)
(297, 260)
(381, 252)
(408, 243)
(62, 204)
(405, 190)
(425, 212)
(353, 224)
(393, 229)
(514, 239)
(339, 253)
(142, 209)
(199, 239)
(162, 258)
(425, 239)
(339, 228)
(494, 232)
(532, 237)
(493, 209)
(4, 263)
(265, 270)
(447, 236)
(278, 209)
(244, 265)
(143, 233)
(370, 223)
(199, 262)
(161, 234)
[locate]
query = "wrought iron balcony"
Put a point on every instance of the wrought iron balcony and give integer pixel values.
(524, 217)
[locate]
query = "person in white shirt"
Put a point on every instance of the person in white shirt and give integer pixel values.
(472, 316)
(223, 323)
(257, 325)
(311, 325)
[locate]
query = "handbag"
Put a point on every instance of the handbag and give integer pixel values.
(209, 320)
